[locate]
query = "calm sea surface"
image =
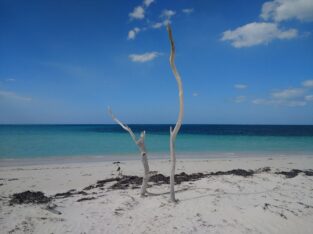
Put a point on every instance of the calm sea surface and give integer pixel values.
(30, 141)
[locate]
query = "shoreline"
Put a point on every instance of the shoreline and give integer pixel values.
(13, 162)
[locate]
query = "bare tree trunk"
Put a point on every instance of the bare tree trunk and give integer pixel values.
(144, 160)
(141, 146)
(173, 165)
(146, 174)
(173, 133)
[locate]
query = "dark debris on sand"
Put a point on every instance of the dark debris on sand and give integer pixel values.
(237, 172)
(29, 197)
(294, 172)
(135, 181)
(86, 199)
(70, 193)
(126, 182)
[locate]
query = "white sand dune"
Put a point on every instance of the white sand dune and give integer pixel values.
(263, 203)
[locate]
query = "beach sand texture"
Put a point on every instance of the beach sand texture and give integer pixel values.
(263, 203)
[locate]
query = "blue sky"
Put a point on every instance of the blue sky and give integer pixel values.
(242, 62)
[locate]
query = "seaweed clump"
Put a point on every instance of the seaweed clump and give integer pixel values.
(29, 197)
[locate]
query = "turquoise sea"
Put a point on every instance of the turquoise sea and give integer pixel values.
(43, 141)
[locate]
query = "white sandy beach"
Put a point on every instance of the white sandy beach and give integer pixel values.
(263, 203)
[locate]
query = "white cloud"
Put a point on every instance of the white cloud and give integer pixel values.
(147, 3)
(157, 25)
(13, 96)
(195, 94)
(161, 24)
(240, 86)
(292, 97)
(142, 58)
(309, 98)
(257, 33)
(168, 13)
(133, 33)
(137, 13)
(308, 83)
(288, 93)
(280, 10)
(188, 11)
(239, 99)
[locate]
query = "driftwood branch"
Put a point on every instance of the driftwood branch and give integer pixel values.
(173, 133)
(125, 127)
(141, 146)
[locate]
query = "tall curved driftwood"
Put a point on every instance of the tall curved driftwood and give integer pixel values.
(141, 146)
(173, 133)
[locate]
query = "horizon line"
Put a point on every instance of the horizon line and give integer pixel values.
(268, 124)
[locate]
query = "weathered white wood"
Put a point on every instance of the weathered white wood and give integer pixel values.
(144, 160)
(141, 146)
(173, 133)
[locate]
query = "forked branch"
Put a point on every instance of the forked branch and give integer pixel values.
(141, 146)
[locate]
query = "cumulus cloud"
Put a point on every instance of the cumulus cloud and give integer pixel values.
(161, 24)
(288, 93)
(257, 33)
(158, 25)
(142, 58)
(308, 83)
(280, 10)
(274, 11)
(239, 99)
(240, 86)
(147, 3)
(137, 13)
(168, 13)
(188, 11)
(133, 33)
(292, 97)
(13, 96)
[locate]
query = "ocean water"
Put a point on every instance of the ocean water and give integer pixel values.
(43, 141)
